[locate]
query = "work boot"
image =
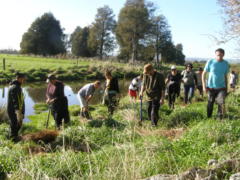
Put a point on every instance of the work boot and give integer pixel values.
(82, 114)
(16, 139)
(87, 115)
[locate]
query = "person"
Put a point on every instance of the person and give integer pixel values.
(233, 80)
(85, 94)
(216, 86)
(189, 80)
(57, 101)
(154, 85)
(135, 87)
(199, 81)
(173, 83)
(111, 92)
(16, 106)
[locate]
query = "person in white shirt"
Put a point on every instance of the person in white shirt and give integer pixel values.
(233, 80)
(135, 87)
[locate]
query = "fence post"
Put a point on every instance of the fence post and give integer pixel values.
(4, 64)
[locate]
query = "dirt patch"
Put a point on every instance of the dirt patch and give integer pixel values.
(171, 133)
(33, 150)
(45, 136)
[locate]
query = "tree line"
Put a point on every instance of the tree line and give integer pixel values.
(139, 34)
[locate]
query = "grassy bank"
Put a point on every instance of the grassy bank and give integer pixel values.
(37, 68)
(118, 148)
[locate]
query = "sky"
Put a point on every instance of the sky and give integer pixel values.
(192, 22)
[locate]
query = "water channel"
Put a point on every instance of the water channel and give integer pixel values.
(35, 93)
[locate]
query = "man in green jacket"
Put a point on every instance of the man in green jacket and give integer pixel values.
(154, 85)
(16, 106)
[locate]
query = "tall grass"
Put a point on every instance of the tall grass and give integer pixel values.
(118, 148)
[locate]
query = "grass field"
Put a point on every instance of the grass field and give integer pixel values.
(118, 148)
(37, 68)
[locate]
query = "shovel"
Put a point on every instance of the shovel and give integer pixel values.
(141, 118)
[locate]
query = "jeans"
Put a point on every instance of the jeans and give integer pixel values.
(153, 108)
(188, 93)
(218, 96)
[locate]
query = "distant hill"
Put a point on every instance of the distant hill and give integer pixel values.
(196, 59)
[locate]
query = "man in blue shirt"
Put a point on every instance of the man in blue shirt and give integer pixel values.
(216, 86)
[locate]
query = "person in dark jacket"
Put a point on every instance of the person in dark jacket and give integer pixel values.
(189, 78)
(16, 106)
(173, 83)
(111, 91)
(57, 101)
(154, 85)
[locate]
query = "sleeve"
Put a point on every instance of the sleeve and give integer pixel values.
(14, 93)
(179, 77)
(182, 73)
(207, 66)
(47, 94)
(23, 108)
(90, 90)
(195, 78)
(163, 82)
(144, 81)
(168, 77)
(59, 90)
(117, 86)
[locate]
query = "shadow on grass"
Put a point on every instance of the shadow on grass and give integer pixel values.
(109, 122)
(180, 118)
(114, 124)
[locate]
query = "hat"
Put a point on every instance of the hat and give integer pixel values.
(20, 75)
(147, 68)
(51, 77)
(173, 67)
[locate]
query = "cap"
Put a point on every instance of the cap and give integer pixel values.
(173, 67)
(51, 77)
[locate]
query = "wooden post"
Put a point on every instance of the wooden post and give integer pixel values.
(4, 64)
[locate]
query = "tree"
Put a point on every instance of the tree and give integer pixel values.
(101, 40)
(44, 37)
(231, 8)
(161, 35)
(133, 24)
(79, 42)
(180, 57)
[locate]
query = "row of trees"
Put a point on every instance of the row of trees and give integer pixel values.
(139, 34)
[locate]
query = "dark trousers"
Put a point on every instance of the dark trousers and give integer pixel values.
(218, 96)
(60, 116)
(110, 100)
(173, 93)
(60, 112)
(188, 93)
(200, 89)
(153, 108)
(14, 125)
